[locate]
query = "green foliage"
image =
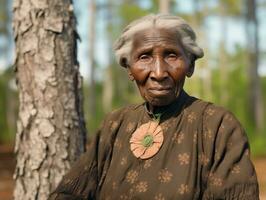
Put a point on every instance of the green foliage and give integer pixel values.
(130, 12)
(8, 107)
(233, 7)
(237, 86)
(93, 122)
(258, 144)
(4, 17)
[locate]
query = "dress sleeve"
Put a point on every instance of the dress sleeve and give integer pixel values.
(81, 181)
(231, 174)
(87, 174)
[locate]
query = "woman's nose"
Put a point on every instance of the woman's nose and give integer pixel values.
(159, 70)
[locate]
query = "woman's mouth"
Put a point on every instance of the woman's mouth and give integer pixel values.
(160, 91)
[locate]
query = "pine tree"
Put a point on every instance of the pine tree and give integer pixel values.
(50, 127)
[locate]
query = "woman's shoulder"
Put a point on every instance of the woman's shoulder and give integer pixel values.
(117, 116)
(120, 112)
(216, 122)
(213, 112)
(219, 124)
(221, 115)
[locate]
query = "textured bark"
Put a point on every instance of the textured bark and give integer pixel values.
(50, 127)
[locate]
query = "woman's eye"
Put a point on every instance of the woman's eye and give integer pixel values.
(172, 56)
(144, 57)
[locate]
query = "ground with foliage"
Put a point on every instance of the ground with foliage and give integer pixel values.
(7, 165)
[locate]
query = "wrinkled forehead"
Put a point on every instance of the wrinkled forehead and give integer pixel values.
(155, 36)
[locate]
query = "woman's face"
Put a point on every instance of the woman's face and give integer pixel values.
(159, 66)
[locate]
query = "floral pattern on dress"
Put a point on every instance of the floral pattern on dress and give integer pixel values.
(210, 111)
(132, 176)
(215, 181)
(183, 158)
(123, 161)
(159, 197)
(142, 186)
(118, 144)
(179, 137)
(165, 176)
(235, 169)
(191, 117)
(207, 134)
(195, 136)
(221, 129)
(113, 125)
(114, 185)
(217, 155)
(183, 189)
(124, 197)
(229, 117)
(130, 127)
(147, 163)
(166, 125)
(86, 167)
(204, 160)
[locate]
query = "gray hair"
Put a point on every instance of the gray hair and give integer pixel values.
(184, 32)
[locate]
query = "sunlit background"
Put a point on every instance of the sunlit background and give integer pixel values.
(232, 72)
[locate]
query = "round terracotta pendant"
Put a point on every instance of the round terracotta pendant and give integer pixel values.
(146, 141)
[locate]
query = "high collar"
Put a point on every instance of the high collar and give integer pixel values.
(168, 110)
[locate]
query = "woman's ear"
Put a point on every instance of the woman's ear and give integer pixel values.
(131, 77)
(126, 65)
(123, 62)
(191, 68)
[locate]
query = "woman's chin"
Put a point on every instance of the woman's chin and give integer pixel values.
(160, 101)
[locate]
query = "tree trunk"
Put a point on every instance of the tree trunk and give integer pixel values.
(255, 96)
(4, 31)
(107, 97)
(222, 57)
(50, 127)
(164, 6)
(92, 99)
(204, 76)
(108, 82)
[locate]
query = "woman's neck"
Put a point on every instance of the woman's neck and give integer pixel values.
(157, 109)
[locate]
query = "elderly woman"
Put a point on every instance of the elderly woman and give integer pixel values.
(172, 146)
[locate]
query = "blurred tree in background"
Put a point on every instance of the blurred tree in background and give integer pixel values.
(8, 106)
(8, 93)
(255, 91)
(4, 23)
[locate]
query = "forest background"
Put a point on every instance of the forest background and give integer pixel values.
(231, 74)
(225, 75)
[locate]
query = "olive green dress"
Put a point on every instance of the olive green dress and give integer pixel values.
(205, 155)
